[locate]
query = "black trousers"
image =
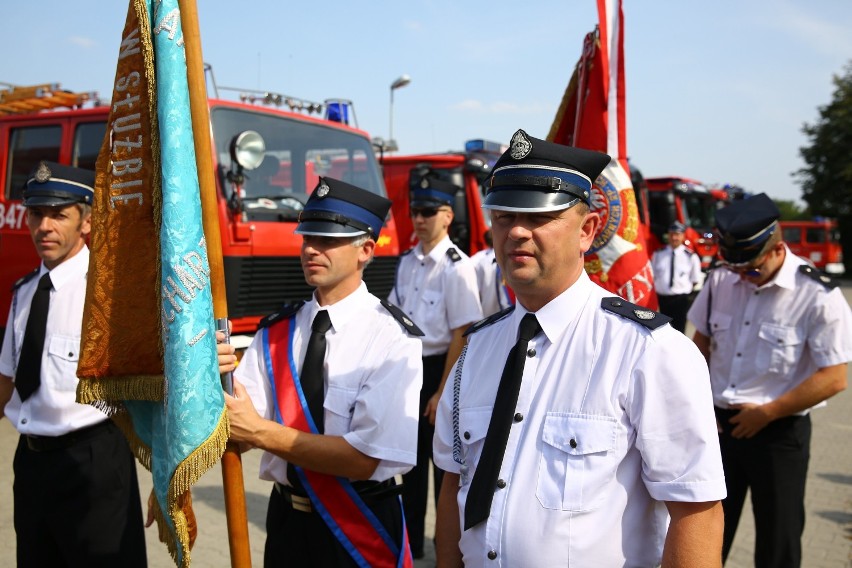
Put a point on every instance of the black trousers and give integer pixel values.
(774, 465)
(415, 483)
(676, 307)
(299, 539)
(79, 505)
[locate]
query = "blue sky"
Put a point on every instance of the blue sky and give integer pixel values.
(716, 91)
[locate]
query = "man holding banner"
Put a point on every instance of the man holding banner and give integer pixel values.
(331, 394)
(76, 493)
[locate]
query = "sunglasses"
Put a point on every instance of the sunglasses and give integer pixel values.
(425, 212)
(747, 269)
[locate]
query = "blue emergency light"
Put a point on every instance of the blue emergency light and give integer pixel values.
(337, 112)
(485, 146)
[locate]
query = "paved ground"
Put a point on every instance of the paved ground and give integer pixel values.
(827, 539)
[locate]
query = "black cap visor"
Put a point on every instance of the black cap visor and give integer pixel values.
(327, 229)
(530, 201)
(51, 199)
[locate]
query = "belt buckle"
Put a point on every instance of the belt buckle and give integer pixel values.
(300, 503)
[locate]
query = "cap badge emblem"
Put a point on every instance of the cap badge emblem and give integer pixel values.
(322, 190)
(424, 183)
(521, 145)
(43, 173)
(644, 314)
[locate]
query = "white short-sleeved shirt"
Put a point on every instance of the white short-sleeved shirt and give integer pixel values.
(374, 373)
(440, 294)
(687, 273)
(766, 340)
(52, 410)
(492, 292)
(615, 420)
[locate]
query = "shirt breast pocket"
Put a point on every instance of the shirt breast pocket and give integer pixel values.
(339, 405)
(577, 461)
(779, 348)
(473, 426)
(63, 353)
(431, 306)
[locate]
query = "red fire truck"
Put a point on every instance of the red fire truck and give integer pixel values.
(688, 201)
(467, 169)
(258, 208)
(817, 241)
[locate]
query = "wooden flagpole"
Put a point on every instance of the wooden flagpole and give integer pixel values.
(232, 469)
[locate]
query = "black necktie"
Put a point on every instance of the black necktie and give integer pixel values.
(311, 375)
(481, 493)
(28, 375)
(671, 272)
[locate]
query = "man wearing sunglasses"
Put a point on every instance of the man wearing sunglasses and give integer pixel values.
(777, 335)
(435, 286)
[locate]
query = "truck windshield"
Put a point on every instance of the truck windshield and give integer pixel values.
(700, 211)
(297, 154)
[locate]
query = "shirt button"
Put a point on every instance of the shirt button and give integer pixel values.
(572, 442)
(501, 483)
(531, 353)
(739, 354)
(492, 554)
(756, 292)
(747, 323)
(23, 420)
(733, 386)
(519, 417)
(467, 435)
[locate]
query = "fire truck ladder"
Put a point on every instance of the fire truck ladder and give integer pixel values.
(15, 99)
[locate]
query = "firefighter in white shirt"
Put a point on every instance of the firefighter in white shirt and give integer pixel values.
(76, 493)
(777, 335)
(436, 287)
(677, 271)
(606, 441)
(337, 423)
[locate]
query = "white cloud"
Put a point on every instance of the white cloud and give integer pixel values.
(84, 42)
(818, 29)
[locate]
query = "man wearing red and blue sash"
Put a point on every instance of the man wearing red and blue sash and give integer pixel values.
(329, 389)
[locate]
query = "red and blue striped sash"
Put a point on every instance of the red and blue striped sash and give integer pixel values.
(354, 525)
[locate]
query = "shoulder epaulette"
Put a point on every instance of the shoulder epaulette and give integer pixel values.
(644, 316)
(287, 311)
(821, 277)
(453, 254)
(409, 251)
(488, 321)
(24, 279)
(400, 316)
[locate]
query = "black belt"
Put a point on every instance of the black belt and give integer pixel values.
(370, 491)
(51, 443)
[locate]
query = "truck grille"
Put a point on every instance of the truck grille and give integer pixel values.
(259, 285)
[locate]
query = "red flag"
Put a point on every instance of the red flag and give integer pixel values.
(592, 115)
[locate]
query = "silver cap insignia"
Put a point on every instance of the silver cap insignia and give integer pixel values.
(521, 145)
(43, 173)
(322, 190)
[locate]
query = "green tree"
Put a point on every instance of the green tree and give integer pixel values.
(827, 177)
(792, 211)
